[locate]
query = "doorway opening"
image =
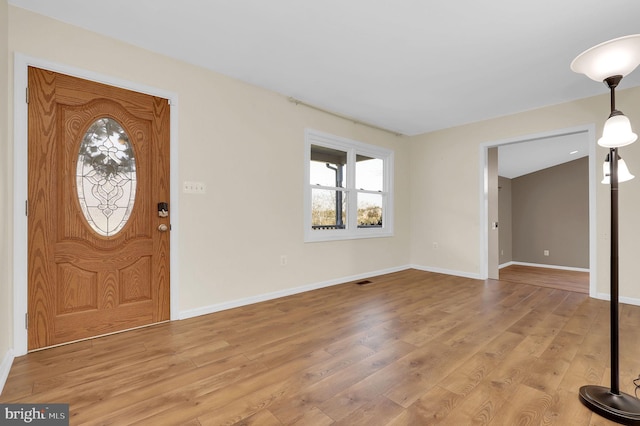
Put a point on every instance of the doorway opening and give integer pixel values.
(538, 152)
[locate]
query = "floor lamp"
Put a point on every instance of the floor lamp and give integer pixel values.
(609, 62)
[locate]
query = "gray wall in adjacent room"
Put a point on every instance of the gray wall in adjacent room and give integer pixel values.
(550, 211)
(504, 220)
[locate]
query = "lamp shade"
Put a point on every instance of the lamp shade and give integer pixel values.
(619, 56)
(623, 171)
(617, 131)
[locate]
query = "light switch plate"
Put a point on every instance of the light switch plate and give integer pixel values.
(194, 187)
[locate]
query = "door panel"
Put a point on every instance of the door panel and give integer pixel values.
(83, 281)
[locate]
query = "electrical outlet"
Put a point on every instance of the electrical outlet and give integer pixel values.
(436, 245)
(546, 252)
(283, 260)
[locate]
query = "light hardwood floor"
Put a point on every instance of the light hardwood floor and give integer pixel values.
(411, 348)
(547, 277)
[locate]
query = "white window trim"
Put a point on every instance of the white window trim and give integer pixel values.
(351, 147)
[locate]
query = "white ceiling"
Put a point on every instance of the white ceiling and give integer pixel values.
(410, 66)
(517, 159)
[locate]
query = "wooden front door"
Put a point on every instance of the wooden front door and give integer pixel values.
(98, 248)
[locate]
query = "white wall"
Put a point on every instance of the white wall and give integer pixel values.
(6, 305)
(246, 144)
(446, 179)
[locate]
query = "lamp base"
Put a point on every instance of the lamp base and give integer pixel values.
(623, 408)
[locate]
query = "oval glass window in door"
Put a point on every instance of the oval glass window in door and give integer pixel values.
(106, 176)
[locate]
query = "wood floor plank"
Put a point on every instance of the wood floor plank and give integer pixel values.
(316, 394)
(380, 410)
(85, 391)
(169, 395)
(526, 406)
(566, 409)
(410, 348)
(261, 418)
(480, 407)
(474, 370)
(314, 416)
(568, 280)
(430, 409)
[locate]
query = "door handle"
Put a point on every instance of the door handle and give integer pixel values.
(163, 228)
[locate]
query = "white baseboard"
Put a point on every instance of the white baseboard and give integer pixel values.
(541, 265)
(626, 300)
(5, 367)
(504, 265)
(475, 276)
(190, 313)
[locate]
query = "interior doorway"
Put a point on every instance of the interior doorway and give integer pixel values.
(539, 147)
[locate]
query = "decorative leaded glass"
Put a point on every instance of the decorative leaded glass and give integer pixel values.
(106, 176)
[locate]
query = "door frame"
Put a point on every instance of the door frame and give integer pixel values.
(590, 132)
(20, 173)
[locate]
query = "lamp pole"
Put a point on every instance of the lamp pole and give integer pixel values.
(614, 278)
(610, 402)
(609, 62)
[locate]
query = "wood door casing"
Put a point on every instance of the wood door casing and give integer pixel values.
(82, 284)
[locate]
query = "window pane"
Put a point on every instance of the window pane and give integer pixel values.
(328, 209)
(348, 184)
(369, 173)
(106, 176)
(327, 166)
(369, 210)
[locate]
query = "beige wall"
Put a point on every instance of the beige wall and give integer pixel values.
(6, 299)
(504, 215)
(246, 144)
(445, 208)
(550, 211)
(444, 198)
